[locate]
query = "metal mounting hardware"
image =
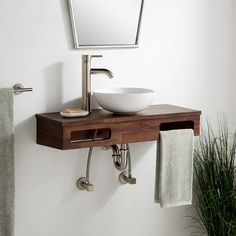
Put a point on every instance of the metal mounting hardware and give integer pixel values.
(83, 184)
(126, 178)
(19, 88)
(87, 140)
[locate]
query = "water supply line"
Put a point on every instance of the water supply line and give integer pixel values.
(83, 183)
(121, 160)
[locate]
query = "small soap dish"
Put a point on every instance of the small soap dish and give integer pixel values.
(74, 112)
(65, 114)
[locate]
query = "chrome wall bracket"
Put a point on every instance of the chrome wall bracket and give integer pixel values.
(19, 89)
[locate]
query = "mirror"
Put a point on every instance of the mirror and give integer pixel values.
(105, 23)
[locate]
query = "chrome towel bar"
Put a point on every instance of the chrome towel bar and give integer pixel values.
(19, 88)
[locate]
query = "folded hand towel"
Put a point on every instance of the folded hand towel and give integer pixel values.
(174, 169)
(6, 163)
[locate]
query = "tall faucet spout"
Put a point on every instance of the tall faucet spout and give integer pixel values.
(87, 71)
(102, 71)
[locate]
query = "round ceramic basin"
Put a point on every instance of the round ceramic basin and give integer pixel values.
(124, 100)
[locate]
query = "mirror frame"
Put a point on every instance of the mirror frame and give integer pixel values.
(75, 36)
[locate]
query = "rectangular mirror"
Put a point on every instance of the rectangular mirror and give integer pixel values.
(105, 23)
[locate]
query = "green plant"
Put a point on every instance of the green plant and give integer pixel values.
(215, 181)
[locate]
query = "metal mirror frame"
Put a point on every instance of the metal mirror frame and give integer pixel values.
(75, 37)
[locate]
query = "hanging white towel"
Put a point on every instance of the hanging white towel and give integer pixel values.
(174, 171)
(6, 163)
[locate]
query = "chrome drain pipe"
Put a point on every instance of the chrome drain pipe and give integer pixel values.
(126, 177)
(120, 156)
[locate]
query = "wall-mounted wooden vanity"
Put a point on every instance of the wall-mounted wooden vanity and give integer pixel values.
(71, 133)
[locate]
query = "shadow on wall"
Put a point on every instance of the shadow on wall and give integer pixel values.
(53, 85)
(27, 130)
(61, 81)
(67, 25)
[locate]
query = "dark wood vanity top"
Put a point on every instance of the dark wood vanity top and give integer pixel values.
(102, 116)
(67, 133)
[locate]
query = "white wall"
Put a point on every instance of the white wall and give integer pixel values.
(187, 53)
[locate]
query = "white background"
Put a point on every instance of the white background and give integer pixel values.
(187, 54)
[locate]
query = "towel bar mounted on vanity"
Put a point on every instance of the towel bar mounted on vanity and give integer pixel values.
(112, 129)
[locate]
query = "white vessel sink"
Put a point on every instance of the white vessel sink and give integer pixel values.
(124, 100)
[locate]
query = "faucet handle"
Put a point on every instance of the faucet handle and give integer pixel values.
(86, 58)
(88, 187)
(96, 56)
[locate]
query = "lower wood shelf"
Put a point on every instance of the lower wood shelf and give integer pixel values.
(72, 133)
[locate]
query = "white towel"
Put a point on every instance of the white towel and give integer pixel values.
(174, 171)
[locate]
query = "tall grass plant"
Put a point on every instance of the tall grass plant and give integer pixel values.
(215, 181)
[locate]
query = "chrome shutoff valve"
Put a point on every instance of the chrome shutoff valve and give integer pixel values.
(126, 178)
(83, 184)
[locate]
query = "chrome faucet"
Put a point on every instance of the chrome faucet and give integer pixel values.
(87, 71)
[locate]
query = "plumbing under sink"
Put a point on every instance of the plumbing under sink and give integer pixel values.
(124, 100)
